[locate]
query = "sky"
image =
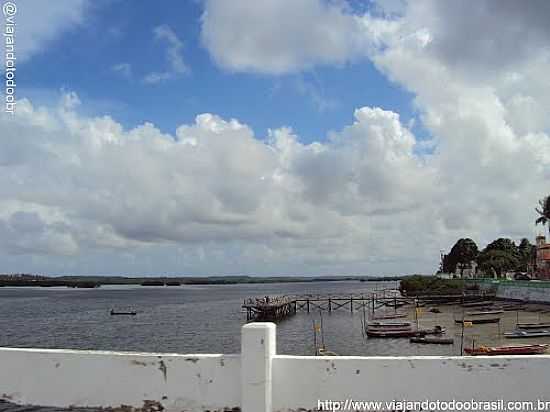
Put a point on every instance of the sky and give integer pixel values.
(274, 137)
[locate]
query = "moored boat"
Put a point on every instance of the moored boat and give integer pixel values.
(486, 312)
(389, 325)
(394, 316)
(394, 333)
(507, 350)
(476, 304)
(130, 313)
(433, 341)
(533, 325)
(478, 321)
(396, 305)
(403, 333)
(524, 334)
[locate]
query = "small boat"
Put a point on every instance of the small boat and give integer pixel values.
(395, 304)
(130, 313)
(486, 312)
(394, 333)
(394, 316)
(512, 307)
(523, 334)
(476, 304)
(433, 341)
(389, 325)
(507, 350)
(478, 321)
(533, 325)
(325, 352)
(404, 333)
(397, 329)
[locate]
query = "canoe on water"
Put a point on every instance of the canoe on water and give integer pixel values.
(394, 316)
(394, 333)
(403, 333)
(533, 325)
(478, 321)
(389, 325)
(130, 313)
(476, 304)
(507, 350)
(486, 312)
(395, 304)
(433, 341)
(524, 334)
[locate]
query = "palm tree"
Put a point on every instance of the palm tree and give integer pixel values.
(544, 212)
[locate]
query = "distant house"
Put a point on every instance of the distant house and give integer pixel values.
(542, 262)
(469, 271)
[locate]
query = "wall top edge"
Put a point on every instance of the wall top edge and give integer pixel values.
(118, 353)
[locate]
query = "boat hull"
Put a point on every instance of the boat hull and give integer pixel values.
(526, 334)
(478, 321)
(508, 350)
(433, 341)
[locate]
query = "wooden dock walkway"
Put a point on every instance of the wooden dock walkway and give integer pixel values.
(280, 307)
(277, 308)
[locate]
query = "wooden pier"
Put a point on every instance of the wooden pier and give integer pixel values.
(270, 308)
(280, 307)
(277, 308)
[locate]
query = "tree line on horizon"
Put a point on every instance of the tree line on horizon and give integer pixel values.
(498, 257)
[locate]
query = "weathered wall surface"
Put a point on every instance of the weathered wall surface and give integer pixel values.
(302, 381)
(524, 293)
(259, 380)
(84, 378)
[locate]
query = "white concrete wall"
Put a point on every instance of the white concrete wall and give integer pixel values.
(259, 380)
(302, 381)
(85, 378)
(524, 293)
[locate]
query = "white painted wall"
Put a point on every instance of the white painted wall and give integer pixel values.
(302, 381)
(259, 380)
(85, 378)
(524, 293)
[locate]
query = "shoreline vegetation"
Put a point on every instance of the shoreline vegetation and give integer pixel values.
(431, 285)
(28, 280)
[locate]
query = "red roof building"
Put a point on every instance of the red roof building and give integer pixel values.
(543, 258)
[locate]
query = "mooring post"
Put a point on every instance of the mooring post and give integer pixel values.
(351, 303)
(307, 305)
(329, 305)
(258, 347)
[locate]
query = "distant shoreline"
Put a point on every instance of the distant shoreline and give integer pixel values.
(97, 281)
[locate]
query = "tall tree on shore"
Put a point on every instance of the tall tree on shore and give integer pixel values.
(544, 212)
(498, 257)
(461, 255)
(527, 253)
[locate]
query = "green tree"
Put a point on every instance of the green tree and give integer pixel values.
(527, 253)
(499, 256)
(461, 255)
(497, 262)
(505, 245)
(544, 212)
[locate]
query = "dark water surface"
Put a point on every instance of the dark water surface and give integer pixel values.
(206, 319)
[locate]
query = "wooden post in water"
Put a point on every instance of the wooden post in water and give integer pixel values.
(329, 304)
(351, 303)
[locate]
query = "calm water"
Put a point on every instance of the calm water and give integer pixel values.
(207, 319)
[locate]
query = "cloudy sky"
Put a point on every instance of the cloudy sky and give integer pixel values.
(272, 136)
